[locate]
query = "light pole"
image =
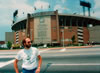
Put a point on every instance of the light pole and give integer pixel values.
(63, 36)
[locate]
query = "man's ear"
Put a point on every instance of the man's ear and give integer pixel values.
(24, 44)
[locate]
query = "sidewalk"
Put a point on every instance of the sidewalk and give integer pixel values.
(70, 47)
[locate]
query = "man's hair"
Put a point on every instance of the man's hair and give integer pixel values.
(23, 41)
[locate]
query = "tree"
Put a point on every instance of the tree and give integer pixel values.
(9, 44)
(73, 39)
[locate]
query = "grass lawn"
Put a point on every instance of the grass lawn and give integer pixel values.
(4, 48)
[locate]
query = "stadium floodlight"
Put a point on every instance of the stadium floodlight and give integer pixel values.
(15, 13)
(85, 4)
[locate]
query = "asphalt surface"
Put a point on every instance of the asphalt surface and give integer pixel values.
(81, 60)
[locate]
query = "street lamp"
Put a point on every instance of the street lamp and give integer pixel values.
(63, 36)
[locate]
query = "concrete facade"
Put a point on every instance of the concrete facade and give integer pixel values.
(94, 34)
(9, 36)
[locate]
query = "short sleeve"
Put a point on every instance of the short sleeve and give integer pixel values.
(18, 56)
(38, 52)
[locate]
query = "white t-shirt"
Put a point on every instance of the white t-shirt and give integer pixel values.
(29, 58)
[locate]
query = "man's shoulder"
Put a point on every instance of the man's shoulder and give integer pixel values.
(33, 48)
(20, 51)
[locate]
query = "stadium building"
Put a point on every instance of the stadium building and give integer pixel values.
(57, 28)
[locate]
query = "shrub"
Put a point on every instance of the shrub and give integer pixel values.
(16, 46)
(9, 44)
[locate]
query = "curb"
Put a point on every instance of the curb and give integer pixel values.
(74, 47)
(71, 47)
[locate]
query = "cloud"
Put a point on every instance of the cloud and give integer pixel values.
(12, 4)
(63, 1)
(60, 8)
(22, 6)
(96, 14)
(96, 8)
(97, 3)
(41, 4)
(8, 7)
(5, 20)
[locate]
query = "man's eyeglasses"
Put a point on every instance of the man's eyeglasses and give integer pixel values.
(29, 42)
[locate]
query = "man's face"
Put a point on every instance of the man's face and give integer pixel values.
(28, 43)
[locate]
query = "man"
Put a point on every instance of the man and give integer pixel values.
(29, 57)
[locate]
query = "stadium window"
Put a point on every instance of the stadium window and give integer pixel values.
(70, 27)
(54, 40)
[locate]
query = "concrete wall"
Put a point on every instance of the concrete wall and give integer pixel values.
(42, 29)
(9, 36)
(94, 34)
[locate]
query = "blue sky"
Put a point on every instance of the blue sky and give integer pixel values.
(7, 7)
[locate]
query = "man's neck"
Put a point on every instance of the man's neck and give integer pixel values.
(27, 48)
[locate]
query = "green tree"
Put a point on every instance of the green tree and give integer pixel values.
(9, 44)
(73, 39)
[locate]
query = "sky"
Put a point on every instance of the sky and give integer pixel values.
(8, 7)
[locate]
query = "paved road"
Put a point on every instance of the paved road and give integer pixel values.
(83, 60)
